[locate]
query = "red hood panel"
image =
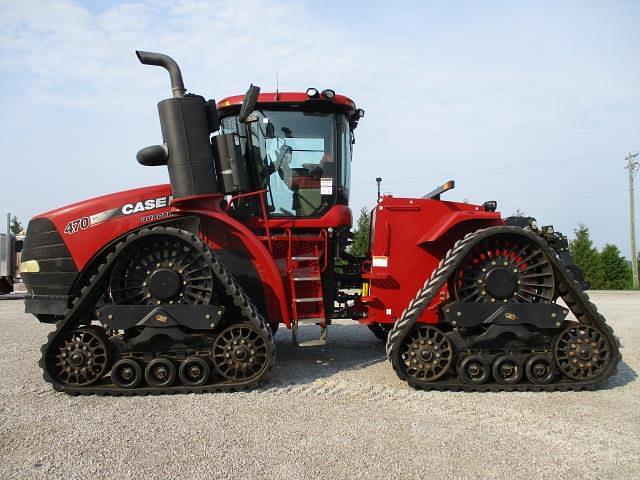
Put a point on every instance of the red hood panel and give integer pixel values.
(88, 226)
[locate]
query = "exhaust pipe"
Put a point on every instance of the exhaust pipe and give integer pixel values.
(168, 63)
(187, 122)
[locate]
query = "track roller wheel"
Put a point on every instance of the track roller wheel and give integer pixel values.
(540, 370)
(507, 369)
(474, 370)
(160, 373)
(582, 352)
(240, 352)
(426, 354)
(126, 373)
(81, 357)
(194, 372)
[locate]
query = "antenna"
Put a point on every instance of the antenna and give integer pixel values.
(277, 89)
(379, 181)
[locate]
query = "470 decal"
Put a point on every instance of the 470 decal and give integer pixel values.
(80, 224)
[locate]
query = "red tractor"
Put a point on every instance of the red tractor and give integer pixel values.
(180, 287)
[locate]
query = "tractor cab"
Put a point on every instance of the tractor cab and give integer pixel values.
(297, 149)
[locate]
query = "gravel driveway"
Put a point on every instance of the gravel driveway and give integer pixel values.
(329, 413)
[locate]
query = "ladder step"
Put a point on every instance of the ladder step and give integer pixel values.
(305, 279)
(304, 259)
(313, 343)
(310, 321)
(308, 300)
(284, 238)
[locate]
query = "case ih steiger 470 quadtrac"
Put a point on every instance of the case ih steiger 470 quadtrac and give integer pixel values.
(180, 287)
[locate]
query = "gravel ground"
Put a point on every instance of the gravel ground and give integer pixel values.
(334, 412)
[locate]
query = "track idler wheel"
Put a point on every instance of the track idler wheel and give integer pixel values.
(126, 373)
(582, 352)
(81, 357)
(160, 373)
(474, 370)
(194, 372)
(426, 353)
(540, 370)
(240, 353)
(507, 369)
(166, 266)
(505, 268)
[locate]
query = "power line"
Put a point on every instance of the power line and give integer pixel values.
(565, 194)
(493, 169)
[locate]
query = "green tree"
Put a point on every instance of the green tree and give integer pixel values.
(360, 245)
(615, 269)
(587, 257)
(16, 226)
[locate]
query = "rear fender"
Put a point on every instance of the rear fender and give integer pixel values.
(459, 224)
(223, 232)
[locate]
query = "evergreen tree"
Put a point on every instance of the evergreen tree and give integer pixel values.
(615, 269)
(586, 257)
(16, 226)
(360, 245)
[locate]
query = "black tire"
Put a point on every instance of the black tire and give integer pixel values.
(160, 373)
(194, 372)
(540, 369)
(474, 370)
(126, 373)
(507, 369)
(241, 352)
(83, 356)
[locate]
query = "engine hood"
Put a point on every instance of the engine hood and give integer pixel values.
(87, 226)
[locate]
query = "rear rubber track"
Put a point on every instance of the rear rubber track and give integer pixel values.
(83, 305)
(570, 291)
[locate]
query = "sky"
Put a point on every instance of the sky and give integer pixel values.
(532, 104)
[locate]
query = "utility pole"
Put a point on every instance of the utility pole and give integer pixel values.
(632, 166)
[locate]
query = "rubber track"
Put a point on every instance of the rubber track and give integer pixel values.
(570, 291)
(95, 289)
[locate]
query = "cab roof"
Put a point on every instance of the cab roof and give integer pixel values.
(275, 99)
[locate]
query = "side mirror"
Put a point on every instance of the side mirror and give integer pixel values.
(153, 156)
(249, 103)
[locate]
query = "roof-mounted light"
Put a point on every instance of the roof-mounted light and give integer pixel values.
(312, 92)
(490, 206)
(328, 94)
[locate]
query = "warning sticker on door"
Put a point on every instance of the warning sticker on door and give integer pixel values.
(326, 186)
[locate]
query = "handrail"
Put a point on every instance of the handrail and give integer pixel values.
(263, 209)
(323, 233)
(287, 232)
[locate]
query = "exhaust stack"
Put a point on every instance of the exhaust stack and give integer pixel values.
(170, 65)
(187, 122)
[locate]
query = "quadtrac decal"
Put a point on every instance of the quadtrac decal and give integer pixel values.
(150, 204)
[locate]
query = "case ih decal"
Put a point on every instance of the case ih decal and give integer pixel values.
(128, 209)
